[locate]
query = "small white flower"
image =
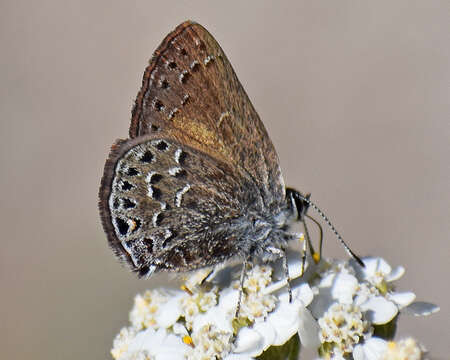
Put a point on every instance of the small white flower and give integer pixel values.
(143, 314)
(148, 310)
(122, 341)
(286, 318)
(377, 272)
(152, 345)
(342, 327)
(406, 349)
(256, 304)
(377, 279)
(280, 325)
(366, 288)
(210, 342)
(345, 293)
(199, 302)
(258, 278)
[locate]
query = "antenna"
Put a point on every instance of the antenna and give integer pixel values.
(325, 218)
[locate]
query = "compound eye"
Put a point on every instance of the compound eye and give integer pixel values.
(297, 202)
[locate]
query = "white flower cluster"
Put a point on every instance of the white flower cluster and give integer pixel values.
(337, 308)
(352, 304)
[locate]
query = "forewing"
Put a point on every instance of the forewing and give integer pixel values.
(165, 205)
(191, 90)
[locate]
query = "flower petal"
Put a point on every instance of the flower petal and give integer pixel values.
(214, 316)
(285, 320)
(303, 293)
(370, 266)
(420, 308)
(267, 331)
(228, 300)
(295, 266)
(308, 330)
(379, 310)
(159, 344)
(395, 274)
(249, 342)
(373, 267)
(402, 299)
(372, 349)
(383, 266)
(344, 287)
(169, 312)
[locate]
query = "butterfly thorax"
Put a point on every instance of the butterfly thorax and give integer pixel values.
(259, 232)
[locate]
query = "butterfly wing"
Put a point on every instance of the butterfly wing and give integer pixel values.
(191, 91)
(166, 205)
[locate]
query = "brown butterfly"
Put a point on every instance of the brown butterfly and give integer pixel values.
(198, 181)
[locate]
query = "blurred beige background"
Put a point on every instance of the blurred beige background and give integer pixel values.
(355, 96)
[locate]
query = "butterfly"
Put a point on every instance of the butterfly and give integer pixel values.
(198, 181)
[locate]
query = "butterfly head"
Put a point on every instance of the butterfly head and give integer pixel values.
(297, 202)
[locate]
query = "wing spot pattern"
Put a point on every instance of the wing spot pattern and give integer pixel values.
(126, 227)
(200, 44)
(116, 203)
(171, 65)
(121, 226)
(177, 172)
(168, 236)
(185, 99)
(222, 117)
(195, 66)
(180, 193)
(147, 157)
(208, 60)
(179, 156)
(153, 177)
(161, 145)
(172, 113)
(134, 224)
(163, 205)
(158, 105)
(125, 185)
(131, 171)
(153, 192)
(184, 76)
(163, 83)
(128, 203)
(148, 242)
(156, 219)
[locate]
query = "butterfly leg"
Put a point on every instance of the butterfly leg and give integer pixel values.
(241, 286)
(282, 254)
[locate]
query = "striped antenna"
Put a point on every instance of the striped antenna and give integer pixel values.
(325, 218)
